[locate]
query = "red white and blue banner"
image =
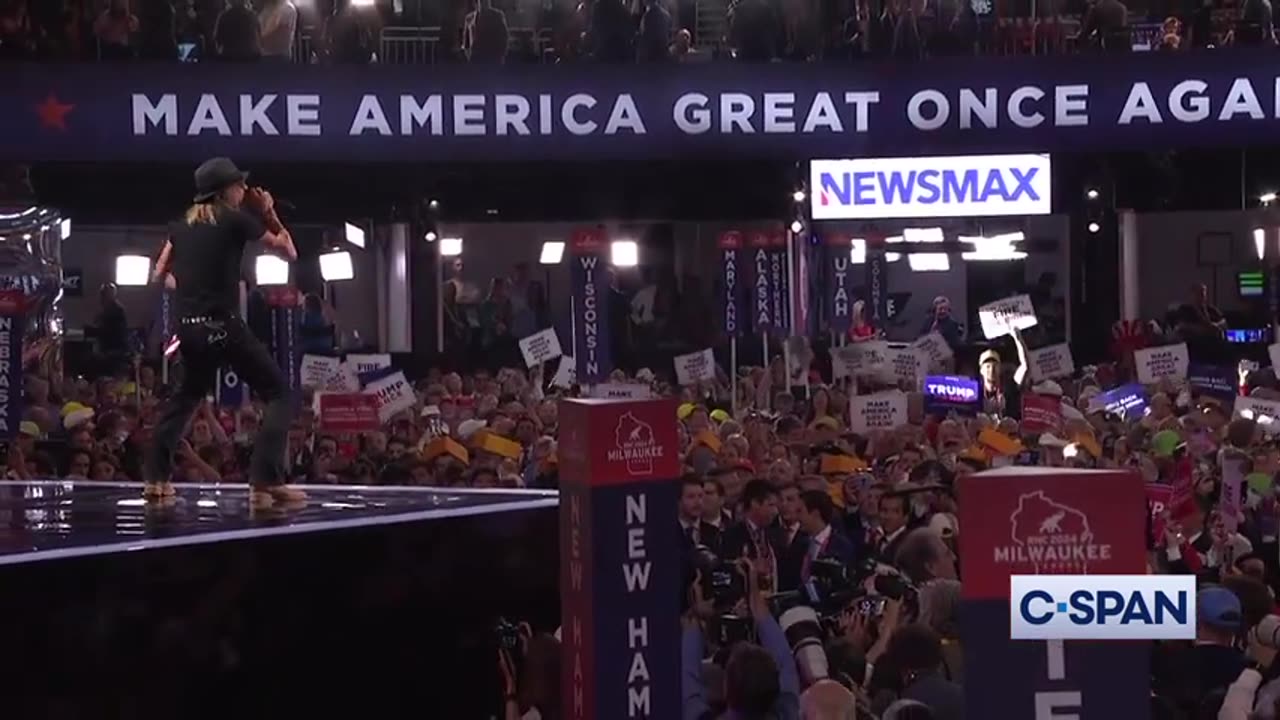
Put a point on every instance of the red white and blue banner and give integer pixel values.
(762, 318)
(731, 251)
(838, 284)
(620, 559)
(284, 333)
(407, 114)
(779, 283)
(12, 326)
(588, 251)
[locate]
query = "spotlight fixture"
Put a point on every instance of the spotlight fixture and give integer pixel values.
(132, 270)
(336, 265)
(431, 236)
(1094, 227)
(1267, 198)
(624, 253)
(552, 252)
(271, 270)
(797, 227)
(1260, 241)
(354, 234)
(450, 247)
(798, 196)
(1092, 193)
(433, 204)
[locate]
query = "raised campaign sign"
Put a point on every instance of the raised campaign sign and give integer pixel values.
(951, 393)
(476, 113)
(1157, 363)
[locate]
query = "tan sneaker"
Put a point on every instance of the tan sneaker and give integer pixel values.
(282, 494)
(158, 490)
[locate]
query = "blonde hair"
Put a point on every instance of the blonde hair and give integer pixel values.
(201, 213)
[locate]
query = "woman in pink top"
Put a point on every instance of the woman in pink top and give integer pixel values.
(859, 329)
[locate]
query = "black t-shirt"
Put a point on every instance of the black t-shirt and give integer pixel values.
(206, 262)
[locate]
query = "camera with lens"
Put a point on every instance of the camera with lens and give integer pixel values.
(508, 635)
(722, 582)
(830, 586)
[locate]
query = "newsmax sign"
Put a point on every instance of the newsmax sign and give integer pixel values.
(930, 187)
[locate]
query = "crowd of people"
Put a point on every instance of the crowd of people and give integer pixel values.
(781, 492)
(610, 31)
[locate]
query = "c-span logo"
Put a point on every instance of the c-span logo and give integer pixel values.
(931, 187)
(1102, 607)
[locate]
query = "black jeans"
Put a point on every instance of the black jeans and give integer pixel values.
(207, 346)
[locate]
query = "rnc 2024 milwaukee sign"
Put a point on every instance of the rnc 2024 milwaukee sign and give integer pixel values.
(587, 112)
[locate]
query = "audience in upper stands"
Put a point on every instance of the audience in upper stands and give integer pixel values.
(609, 31)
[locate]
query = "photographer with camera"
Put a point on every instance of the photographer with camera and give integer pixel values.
(760, 681)
(1245, 700)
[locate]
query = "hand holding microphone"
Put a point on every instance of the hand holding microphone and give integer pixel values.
(260, 200)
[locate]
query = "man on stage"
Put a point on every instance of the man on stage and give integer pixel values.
(203, 255)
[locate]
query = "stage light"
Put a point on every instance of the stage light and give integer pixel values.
(798, 196)
(1267, 198)
(857, 251)
(797, 227)
(354, 234)
(996, 247)
(1260, 241)
(430, 236)
(133, 270)
(433, 204)
(271, 270)
(336, 266)
(450, 247)
(624, 253)
(362, 3)
(923, 235)
(1092, 193)
(1094, 227)
(552, 252)
(64, 228)
(929, 262)
(26, 236)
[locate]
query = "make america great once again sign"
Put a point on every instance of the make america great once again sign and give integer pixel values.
(586, 112)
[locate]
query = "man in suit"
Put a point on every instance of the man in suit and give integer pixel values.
(757, 536)
(893, 524)
(694, 530)
(825, 542)
(795, 541)
(714, 511)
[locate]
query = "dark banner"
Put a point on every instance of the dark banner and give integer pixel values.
(284, 332)
(761, 274)
(779, 283)
(877, 285)
(12, 322)
(590, 284)
(730, 244)
(837, 283)
(1214, 381)
(393, 113)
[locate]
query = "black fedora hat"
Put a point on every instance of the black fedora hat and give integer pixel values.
(215, 175)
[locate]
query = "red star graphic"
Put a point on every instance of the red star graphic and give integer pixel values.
(52, 113)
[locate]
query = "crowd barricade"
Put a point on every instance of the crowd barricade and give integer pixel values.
(403, 45)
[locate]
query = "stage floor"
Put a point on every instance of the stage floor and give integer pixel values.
(48, 520)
